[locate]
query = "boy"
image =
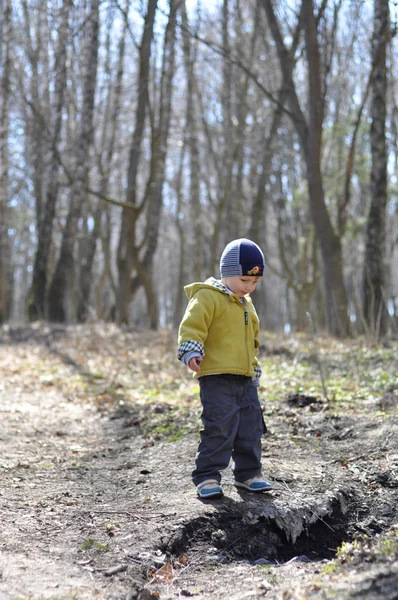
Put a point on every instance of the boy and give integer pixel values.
(218, 339)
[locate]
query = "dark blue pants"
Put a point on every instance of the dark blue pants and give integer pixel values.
(233, 424)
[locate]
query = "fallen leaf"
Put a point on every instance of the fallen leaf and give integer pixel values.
(165, 573)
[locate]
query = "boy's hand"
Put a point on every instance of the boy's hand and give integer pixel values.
(194, 363)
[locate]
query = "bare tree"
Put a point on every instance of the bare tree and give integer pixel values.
(225, 182)
(127, 239)
(35, 96)
(45, 230)
(259, 200)
(193, 145)
(310, 135)
(61, 300)
(269, 101)
(154, 188)
(374, 277)
(179, 218)
(104, 159)
(130, 253)
(5, 63)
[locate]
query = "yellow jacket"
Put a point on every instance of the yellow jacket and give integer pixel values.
(220, 328)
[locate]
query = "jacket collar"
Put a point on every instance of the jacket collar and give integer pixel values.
(220, 286)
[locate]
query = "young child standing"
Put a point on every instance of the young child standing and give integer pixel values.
(218, 340)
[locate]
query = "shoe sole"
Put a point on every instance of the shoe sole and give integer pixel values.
(249, 489)
(210, 495)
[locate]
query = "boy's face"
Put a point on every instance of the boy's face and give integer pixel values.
(241, 284)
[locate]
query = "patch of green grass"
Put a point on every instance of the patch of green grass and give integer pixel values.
(347, 550)
(382, 547)
(76, 465)
(171, 431)
(178, 436)
(388, 547)
(101, 547)
(90, 543)
(352, 371)
(87, 544)
(329, 568)
(269, 572)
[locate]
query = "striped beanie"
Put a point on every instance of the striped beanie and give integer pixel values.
(242, 257)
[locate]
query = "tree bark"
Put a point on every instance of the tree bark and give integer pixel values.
(259, 209)
(223, 205)
(154, 190)
(127, 241)
(374, 277)
(5, 42)
(105, 163)
(62, 301)
(193, 148)
(310, 136)
(37, 144)
(131, 254)
(179, 295)
(40, 269)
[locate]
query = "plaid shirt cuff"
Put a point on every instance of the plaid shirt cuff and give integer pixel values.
(257, 372)
(257, 375)
(190, 347)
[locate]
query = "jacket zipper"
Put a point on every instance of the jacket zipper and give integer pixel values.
(246, 313)
(246, 330)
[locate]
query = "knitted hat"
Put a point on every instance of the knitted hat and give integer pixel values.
(242, 257)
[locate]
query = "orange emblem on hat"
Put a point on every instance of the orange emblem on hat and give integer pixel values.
(254, 271)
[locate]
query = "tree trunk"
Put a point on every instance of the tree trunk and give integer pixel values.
(179, 293)
(130, 216)
(5, 42)
(105, 163)
(37, 144)
(258, 225)
(129, 255)
(305, 290)
(40, 269)
(374, 277)
(193, 148)
(154, 190)
(310, 136)
(62, 307)
(330, 243)
(224, 207)
(106, 275)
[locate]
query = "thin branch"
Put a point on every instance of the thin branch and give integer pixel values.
(235, 60)
(342, 218)
(67, 173)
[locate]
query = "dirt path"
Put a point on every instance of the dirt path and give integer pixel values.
(96, 504)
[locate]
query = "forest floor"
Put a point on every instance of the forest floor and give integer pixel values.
(98, 433)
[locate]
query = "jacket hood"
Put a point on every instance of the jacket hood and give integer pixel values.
(211, 283)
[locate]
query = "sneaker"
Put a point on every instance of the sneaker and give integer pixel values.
(255, 484)
(209, 488)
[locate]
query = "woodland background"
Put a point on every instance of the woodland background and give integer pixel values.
(138, 137)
